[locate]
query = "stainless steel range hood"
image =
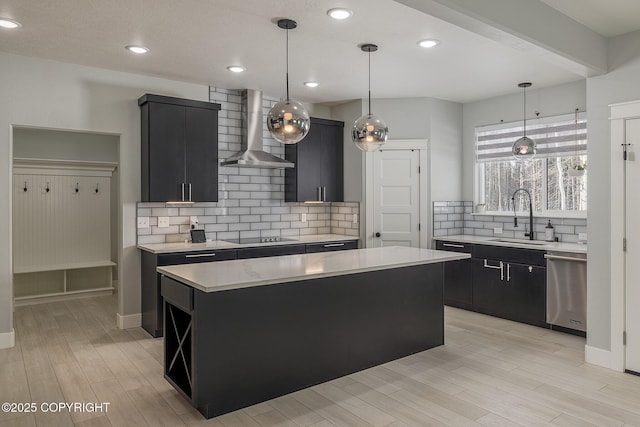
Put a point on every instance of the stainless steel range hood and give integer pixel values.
(252, 155)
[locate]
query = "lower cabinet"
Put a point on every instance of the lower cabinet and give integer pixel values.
(499, 281)
(458, 286)
(152, 306)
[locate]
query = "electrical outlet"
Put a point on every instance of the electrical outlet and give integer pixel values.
(193, 221)
(582, 236)
(163, 221)
(355, 218)
(143, 222)
(303, 217)
(497, 230)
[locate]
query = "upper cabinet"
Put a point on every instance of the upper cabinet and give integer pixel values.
(179, 149)
(318, 158)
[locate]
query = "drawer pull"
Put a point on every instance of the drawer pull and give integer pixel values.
(333, 245)
(496, 267)
(452, 245)
(200, 255)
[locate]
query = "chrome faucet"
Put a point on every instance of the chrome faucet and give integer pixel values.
(515, 218)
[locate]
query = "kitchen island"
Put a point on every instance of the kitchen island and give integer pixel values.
(245, 331)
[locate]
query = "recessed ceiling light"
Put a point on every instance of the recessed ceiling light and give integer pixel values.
(8, 23)
(137, 49)
(428, 43)
(311, 84)
(236, 68)
(340, 13)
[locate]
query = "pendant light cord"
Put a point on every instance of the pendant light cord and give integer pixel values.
(287, 56)
(524, 111)
(369, 83)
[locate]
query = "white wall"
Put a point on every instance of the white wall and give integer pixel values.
(621, 84)
(41, 93)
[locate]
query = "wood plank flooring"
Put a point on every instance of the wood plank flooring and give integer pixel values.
(490, 372)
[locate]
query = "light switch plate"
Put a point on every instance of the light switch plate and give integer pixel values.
(497, 230)
(143, 222)
(303, 217)
(582, 236)
(163, 221)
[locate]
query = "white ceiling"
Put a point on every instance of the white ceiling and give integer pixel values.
(194, 40)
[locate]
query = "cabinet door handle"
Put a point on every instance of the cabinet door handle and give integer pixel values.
(333, 245)
(496, 267)
(508, 272)
(319, 194)
(182, 192)
(451, 245)
(324, 193)
(190, 192)
(200, 255)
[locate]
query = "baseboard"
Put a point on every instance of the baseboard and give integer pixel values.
(597, 356)
(129, 321)
(8, 339)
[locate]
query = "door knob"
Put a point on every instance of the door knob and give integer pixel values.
(378, 234)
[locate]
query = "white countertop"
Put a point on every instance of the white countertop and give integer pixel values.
(158, 248)
(236, 274)
(518, 243)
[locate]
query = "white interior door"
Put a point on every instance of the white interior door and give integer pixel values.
(632, 255)
(396, 198)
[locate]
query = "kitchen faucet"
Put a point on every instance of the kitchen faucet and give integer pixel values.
(515, 218)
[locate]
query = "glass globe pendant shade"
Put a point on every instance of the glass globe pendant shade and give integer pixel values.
(288, 122)
(369, 132)
(524, 148)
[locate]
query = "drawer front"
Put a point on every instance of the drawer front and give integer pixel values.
(506, 254)
(267, 251)
(196, 256)
(331, 246)
(175, 293)
(453, 246)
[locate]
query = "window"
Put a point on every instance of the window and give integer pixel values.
(553, 177)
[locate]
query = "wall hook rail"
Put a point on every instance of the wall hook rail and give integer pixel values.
(48, 188)
(77, 187)
(25, 189)
(97, 188)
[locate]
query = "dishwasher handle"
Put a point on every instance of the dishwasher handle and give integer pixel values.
(563, 258)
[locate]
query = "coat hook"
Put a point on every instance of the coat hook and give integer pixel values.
(47, 189)
(25, 187)
(97, 188)
(77, 187)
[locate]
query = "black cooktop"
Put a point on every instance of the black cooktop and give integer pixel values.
(247, 240)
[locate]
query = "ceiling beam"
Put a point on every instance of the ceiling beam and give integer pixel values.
(528, 26)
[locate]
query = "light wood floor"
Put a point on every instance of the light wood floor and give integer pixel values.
(490, 372)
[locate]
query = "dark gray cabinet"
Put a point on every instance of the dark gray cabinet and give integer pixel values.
(318, 159)
(458, 286)
(179, 142)
(152, 314)
(510, 283)
(151, 299)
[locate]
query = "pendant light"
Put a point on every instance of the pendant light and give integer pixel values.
(524, 148)
(369, 132)
(288, 121)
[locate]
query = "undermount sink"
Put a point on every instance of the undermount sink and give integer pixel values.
(521, 241)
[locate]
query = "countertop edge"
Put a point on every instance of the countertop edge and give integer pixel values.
(450, 256)
(177, 247)
(551, 247)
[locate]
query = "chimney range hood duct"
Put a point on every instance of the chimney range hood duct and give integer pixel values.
(252, 155)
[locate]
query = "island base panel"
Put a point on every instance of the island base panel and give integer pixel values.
(253, 344)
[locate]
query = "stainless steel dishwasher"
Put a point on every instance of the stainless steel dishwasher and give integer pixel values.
(567, 290)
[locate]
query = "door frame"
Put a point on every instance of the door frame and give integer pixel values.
(424, 192)
(620, 113)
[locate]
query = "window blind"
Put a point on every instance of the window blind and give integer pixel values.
(554, 136)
